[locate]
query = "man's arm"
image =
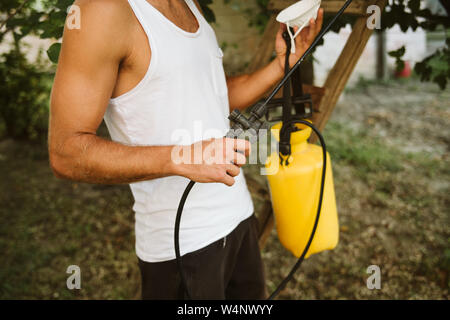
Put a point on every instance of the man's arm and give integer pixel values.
(85, 79)
(245, 90)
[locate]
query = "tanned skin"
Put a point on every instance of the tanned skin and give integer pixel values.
(107, 57)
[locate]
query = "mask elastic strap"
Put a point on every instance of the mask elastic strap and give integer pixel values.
(293, 36)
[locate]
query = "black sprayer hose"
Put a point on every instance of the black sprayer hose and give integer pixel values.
(177, 237)
(311, 237)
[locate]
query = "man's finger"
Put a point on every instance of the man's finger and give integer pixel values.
(244, 147)
(280, 32)
(239, 145)
(302, 38)
(232, 170)
(239, 159)
(319, 21)
(312, 30)
(227, 179)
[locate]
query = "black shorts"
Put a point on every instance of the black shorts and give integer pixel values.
(230, 268)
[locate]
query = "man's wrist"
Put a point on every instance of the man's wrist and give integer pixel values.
(160, 161)
(175, 165)
(277, 65)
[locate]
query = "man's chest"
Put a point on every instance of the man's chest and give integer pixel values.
(135, 64)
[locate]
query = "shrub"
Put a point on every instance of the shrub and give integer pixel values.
(24, 97)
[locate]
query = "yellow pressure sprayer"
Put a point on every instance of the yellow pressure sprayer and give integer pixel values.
(294, 190)
(304, 206)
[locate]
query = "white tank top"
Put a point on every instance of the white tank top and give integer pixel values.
(181, 99)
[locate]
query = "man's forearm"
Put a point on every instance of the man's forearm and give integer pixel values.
(89, 158)
(245, 90)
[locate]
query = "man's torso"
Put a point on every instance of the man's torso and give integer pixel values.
(181, 98)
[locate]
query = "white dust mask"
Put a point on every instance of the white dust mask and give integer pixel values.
(298, 15)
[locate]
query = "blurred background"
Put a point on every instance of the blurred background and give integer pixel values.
(388, 138)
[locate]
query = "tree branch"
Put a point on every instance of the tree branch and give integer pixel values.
(12, 14)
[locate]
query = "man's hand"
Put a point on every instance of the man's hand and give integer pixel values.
(247, 89)
(214, 160)
(302, 41)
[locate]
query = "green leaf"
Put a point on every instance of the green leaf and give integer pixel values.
(423, 70)
(209, 15)
(207, 12)
(53, 52)
(414, 5)
(441, 80)
(398, 53)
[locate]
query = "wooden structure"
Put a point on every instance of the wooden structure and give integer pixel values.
(325, 99)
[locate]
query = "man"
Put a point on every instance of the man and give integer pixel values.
(153, 70)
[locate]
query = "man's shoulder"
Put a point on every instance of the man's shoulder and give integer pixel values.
(104, 29)
(105, 11)
(104, 4)
(104, 18)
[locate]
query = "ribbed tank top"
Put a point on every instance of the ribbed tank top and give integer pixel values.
(182, 99)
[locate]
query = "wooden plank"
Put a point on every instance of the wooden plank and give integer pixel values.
(266, 47)
(357, 7)
(342, 70)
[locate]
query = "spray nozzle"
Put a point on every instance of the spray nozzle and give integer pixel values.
(253, 123)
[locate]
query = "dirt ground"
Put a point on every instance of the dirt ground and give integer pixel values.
(390, 148)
